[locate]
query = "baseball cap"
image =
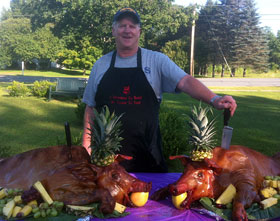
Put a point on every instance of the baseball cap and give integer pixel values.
(127, 12)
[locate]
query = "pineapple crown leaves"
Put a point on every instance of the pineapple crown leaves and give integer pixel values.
(105, 133)
(202, 131)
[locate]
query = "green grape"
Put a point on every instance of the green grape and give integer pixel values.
(10, 192)
(37, 215)
(35, 209)
(54, 212)
(48, 211)
(43, 213)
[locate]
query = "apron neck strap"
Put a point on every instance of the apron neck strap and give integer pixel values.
(139, 59)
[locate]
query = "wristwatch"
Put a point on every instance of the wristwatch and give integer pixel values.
(213, 99)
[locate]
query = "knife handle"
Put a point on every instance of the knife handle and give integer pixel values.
(226, 116)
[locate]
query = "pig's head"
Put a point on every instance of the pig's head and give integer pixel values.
(119, 182)
(197, 180)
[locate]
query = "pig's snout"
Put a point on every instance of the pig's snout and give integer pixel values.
(141, 187)
(174, 190)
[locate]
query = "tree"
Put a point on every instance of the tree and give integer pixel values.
(83, 57)
(274, 49)
(73, 20)
(19, 43)
(233, 34)
(177, 51)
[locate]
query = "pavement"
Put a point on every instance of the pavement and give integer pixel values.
(214, 82)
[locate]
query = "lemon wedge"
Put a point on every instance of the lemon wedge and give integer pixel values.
(139, 198)
(177, 200)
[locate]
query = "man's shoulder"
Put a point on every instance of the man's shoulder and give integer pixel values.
(148, 52)
(105, 58)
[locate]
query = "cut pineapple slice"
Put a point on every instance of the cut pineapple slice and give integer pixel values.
(268, 202)
(16, 211)
(3, 193)
(120, 208)
(8, 208)
(227, 196)
(46, 197)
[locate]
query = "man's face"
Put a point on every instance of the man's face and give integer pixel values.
(126, 33)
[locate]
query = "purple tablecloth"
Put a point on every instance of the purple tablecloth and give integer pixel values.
(163, 210)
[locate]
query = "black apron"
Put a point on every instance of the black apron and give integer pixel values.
(127, 90)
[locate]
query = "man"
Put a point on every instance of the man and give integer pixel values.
(131, 80)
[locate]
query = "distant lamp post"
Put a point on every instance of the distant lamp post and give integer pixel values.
(192, 43)
(22, 67)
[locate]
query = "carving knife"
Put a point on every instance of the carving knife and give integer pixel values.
(227, 130)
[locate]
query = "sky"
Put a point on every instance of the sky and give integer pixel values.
(269, 10)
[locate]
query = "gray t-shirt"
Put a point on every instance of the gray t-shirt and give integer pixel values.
(161, 72)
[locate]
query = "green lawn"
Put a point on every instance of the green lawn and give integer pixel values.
(256, 121)
(30, 122)
(47, 73)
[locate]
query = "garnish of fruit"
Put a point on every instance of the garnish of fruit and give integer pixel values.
(177, 200)
(139, 198)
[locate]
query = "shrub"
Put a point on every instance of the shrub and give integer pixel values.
(41, 88)
(173, 129)
(18, 89)
(80, 110)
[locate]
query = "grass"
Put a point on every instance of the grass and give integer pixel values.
(30, 122)
(47, 73)
(256, 121)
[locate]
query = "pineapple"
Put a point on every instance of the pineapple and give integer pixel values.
(105, 137)
(202, 133)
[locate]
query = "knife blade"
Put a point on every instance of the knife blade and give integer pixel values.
(227, 130)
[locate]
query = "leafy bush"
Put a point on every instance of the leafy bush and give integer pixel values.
(173, 129)
(18, 89)
(41, 88)
(80, 110)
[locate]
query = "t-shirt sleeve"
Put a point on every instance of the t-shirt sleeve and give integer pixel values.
(90, 90)
(171, 74)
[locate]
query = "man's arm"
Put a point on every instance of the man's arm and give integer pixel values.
(199, 91)
(88, 116)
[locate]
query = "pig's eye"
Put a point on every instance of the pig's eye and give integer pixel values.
(200, 174)
(115, 176)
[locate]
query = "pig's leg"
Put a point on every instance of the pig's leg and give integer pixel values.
(246, 193)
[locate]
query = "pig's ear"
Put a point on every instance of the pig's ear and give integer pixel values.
(212, 164)
(184, 159)
(120, 158)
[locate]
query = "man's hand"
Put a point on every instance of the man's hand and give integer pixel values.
(225, 102)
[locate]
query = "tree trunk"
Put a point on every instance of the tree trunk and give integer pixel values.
(213, 70)
(223, 70)
(232, 72)
(244, 72)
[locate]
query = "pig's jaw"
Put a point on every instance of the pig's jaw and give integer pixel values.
(188, 201)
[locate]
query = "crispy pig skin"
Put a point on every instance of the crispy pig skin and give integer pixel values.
(68, 176)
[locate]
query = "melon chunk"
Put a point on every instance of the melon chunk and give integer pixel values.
(227, 196)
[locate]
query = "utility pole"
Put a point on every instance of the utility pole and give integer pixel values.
(192, 44)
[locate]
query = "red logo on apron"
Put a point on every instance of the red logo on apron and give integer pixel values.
(126, 90)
